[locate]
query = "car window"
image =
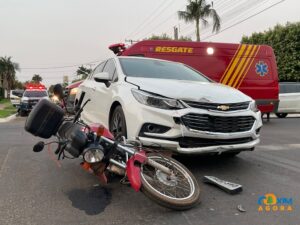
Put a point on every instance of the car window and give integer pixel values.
(148, 68)
(289, 88)
(98, 69)
(110, 68)
(35, 94)
(18, 93)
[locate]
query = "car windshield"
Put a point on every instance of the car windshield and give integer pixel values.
(35, 94)
(18, 93)
(148, 68)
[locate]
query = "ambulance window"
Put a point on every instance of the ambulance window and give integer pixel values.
(110, 68)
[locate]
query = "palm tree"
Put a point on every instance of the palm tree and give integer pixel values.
(36, 78)
(8, 73)
(83, 72)
(199, 10)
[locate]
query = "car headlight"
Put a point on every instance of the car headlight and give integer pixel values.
(253, 106)
(156, 101)
(25, 101)
(93, 155)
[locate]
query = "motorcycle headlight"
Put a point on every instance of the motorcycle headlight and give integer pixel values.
(253, 106)
(156, 101)
(93, 155)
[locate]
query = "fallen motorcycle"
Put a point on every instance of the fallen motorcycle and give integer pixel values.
(159, 177)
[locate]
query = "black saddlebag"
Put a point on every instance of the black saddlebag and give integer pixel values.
(45, 119)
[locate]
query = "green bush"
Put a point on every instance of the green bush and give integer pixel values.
(285, 40)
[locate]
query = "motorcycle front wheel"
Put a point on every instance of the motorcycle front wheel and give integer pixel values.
(179, 191)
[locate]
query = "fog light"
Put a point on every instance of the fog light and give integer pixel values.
(153, 128)
(93, 155)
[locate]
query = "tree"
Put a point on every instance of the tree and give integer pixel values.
(83, 72)
(165, 36)
(36, 78)
(18, 85)
(199, 10)
(8, 73)
(285, 41)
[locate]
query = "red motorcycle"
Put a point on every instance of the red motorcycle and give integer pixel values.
(161, 178)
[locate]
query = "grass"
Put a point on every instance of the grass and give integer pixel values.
(6, 108)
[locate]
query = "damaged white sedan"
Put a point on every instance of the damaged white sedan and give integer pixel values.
(170, 105)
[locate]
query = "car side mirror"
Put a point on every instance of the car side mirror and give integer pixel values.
(102, 78)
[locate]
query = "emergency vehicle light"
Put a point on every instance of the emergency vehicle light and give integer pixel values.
(117, 48)
(210, 51)
(35, 86)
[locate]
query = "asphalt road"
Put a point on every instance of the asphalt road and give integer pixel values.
(35, 190)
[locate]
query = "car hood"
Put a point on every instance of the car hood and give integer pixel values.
(190, 90)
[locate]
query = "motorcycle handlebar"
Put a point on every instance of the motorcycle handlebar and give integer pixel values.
(126, 149)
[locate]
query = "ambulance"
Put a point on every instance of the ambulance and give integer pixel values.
(250, 68)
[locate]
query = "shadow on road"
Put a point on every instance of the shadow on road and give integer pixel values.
(92, 201)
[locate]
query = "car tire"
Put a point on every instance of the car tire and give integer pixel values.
(23, 113)
(281, 115)
(117, 123)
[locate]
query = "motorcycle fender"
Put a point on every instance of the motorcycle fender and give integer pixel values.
(133, 169)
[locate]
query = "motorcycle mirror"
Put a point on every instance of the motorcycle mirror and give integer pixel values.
(58, 91)
(38, 147)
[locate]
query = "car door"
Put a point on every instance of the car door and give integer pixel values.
(289, 98)
(88, 87)
(104, 94)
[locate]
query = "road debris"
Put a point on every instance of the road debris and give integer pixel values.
(241, 208)
(227, 186)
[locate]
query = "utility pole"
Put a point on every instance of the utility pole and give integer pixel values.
(175, 33)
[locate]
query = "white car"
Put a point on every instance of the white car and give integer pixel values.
(170, 105)
(30, 98)
(289, 99)
(15, 97)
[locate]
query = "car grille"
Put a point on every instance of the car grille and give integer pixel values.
(218, 106)
(220, 124)
(189, 142)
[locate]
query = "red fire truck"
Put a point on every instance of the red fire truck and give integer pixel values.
(250, 68)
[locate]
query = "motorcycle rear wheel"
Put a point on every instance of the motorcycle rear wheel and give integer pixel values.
(178, 192)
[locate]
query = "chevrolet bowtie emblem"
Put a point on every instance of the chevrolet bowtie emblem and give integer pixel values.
(223, 107)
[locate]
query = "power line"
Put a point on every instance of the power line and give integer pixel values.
(233, 13)
(57, 67)
(153, 19)
(160, 23)
(241, 15)
(247, 18)
(150, 15)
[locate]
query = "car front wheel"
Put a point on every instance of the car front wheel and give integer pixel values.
(117, 123)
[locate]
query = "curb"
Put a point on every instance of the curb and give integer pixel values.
(7, 119)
